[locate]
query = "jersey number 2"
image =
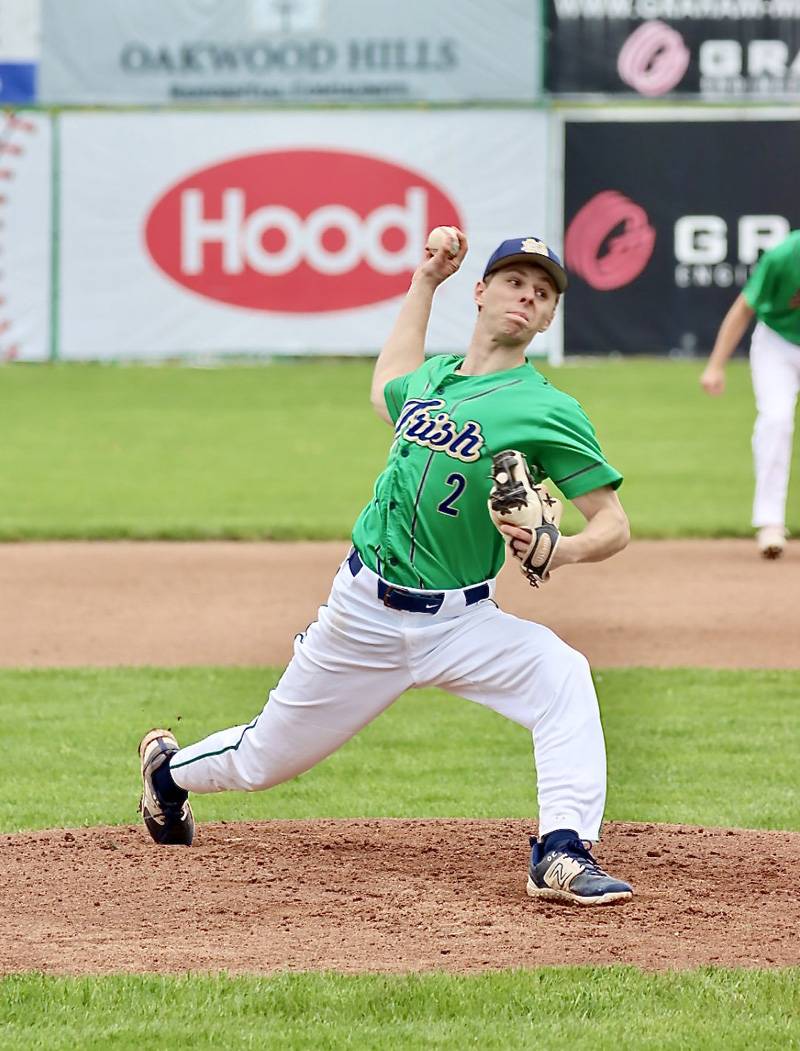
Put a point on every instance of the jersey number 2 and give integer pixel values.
(459, 483)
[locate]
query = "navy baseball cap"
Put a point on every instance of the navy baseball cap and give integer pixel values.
(528, 250)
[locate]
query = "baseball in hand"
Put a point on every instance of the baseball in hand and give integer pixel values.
(440, 236)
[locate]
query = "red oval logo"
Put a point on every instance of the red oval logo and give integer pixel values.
(297, 231)
(609, 241)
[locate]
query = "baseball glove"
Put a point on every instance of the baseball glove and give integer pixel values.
(515, 498)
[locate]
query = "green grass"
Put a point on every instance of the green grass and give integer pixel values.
(695, 746)
(244, 451)
(705, 747)
(580, 1008)
(106, 451)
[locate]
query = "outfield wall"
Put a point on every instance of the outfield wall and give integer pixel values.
(27, 231)
(115, 52)
(169, 232)
(289, 232)
(173, 234)
(665, 215)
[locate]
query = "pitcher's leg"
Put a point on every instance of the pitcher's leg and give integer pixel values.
(570, 752)
(527, 673)
(324, 697)
(775, 385)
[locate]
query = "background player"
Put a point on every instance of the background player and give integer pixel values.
(412, 604)
(772, 294)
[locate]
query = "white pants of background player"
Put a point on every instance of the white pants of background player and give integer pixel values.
(775, 369)
(359, 656)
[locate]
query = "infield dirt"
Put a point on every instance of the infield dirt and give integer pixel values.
(386, 895)
(712, 604)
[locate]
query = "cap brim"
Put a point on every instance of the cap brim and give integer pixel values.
(558, 274)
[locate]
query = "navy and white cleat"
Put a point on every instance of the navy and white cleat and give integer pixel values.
(168, 820)
(569, 873)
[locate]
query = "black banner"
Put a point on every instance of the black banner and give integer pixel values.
(663, 224)
(715, 50)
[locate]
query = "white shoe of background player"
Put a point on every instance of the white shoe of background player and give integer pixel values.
(771, 541)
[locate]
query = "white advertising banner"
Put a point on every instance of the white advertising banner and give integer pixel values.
(298, 51)
(25, 236)
(185, 234)
(19, 50)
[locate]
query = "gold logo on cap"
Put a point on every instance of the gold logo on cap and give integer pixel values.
(530, 244)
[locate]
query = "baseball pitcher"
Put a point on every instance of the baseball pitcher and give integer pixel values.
(412, 604)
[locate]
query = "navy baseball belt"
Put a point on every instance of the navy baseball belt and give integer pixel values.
(415, 601)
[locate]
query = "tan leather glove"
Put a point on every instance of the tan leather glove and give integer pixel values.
(515, 499)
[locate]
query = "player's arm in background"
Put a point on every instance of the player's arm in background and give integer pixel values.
(404, 350)
(605, 534)
(733, 327)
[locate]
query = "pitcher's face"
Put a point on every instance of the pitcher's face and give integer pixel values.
(516, 303)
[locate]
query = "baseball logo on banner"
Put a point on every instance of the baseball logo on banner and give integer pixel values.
(664, 223)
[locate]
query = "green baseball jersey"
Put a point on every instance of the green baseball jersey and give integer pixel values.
(428, 524)
(771, 286)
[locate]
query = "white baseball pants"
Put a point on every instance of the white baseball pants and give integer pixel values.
(359, 656)
(775, 370)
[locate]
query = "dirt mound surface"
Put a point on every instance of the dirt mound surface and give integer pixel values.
(702, 603)
(386, 896)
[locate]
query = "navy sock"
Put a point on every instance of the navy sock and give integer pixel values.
(168, 792)
(558, 839)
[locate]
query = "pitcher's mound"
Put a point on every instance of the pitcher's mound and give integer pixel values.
(387, 895)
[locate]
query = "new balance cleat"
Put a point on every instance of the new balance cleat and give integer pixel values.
(168, 820)
(569, 873)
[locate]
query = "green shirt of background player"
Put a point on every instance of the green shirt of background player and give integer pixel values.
(772, 296)
(428, 526)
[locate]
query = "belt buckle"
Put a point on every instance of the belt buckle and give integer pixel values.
(390, 590)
